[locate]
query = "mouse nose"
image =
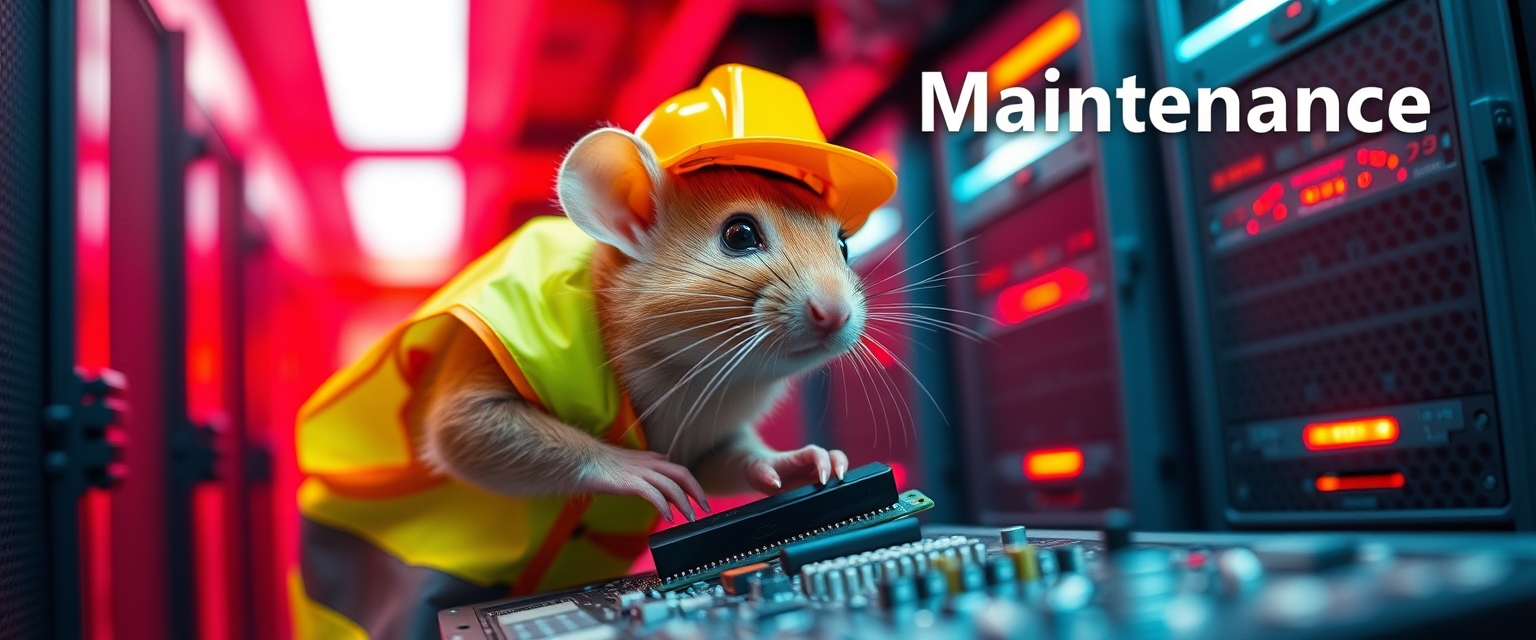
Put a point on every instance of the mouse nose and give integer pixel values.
(827, 316)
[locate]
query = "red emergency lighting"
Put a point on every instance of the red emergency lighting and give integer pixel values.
(1053, 464)
(1035, 51)
(1051, 291)
(1346, 434)
(1329, 483)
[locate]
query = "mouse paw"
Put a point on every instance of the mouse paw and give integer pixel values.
(786, 470)
(647, 475)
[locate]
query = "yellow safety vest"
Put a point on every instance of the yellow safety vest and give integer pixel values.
(386, 542)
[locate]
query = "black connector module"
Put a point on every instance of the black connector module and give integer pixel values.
(773, 521)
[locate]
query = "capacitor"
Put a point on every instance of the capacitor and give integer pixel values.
(898, 591)
(1072, 559)
(1014, 536)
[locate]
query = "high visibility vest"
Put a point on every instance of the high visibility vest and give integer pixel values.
(386, 542)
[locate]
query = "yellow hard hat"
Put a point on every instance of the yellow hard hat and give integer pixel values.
(743, 116)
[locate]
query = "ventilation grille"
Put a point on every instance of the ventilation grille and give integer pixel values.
(1400, 48)
(1373, 306)
(24, 556)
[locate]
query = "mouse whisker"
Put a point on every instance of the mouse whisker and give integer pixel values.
(748, 317)
(920, 263)
(672, 292)
(901, 363)
(903, 242)
(740, 352)
(752, 292)
(930, 281)
(733, 307)
(763, 260)
(696, 369)
(882, 381)
(933, 307)
(931, 324)
(895, 337)
(861, 369)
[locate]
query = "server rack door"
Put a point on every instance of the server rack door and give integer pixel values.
(150, 545)
(1072, 404)
(38, 563)
(1343, 279)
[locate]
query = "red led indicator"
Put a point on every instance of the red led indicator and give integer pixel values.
(1237, 172)
(1253, 227)
(1268, 199)
(1293, 10)
(1329, 483)
(1364, 179)
(993, 278)
(1053, 464)
(1051, 291)
(1347, 434)
(1402, 174)
(1280, 211)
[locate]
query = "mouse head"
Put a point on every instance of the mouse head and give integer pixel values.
(721, 269)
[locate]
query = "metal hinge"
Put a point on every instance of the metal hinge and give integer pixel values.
(1493, 123)
(84, 441)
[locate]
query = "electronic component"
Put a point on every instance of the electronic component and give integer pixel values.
(752, 533)
(1349, 303)
(794, 556)
(963, 582)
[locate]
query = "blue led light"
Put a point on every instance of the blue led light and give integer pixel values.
(1222, 27)
(1005, 161)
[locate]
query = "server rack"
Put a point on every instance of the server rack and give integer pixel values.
(1073, 402)
(1357, 352)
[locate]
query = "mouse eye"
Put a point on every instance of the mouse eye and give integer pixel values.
(740, 234)
(842, 243)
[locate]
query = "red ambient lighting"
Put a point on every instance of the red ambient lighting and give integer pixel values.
(1053, 464)
(1051, 291)
(1346, 434)
(1360, 482)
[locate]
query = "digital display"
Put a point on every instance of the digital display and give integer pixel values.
(1357, 171)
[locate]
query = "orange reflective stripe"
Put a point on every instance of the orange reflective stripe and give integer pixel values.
(493, 342)
(575, 509)
(375, 484)
(570, 517)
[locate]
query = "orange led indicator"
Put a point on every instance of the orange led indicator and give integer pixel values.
(1035, 51)
(1053, 290)
(1053, 464)
(1365, 432)
(1360, 482)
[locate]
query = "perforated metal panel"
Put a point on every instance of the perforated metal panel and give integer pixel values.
(1052, 379)
(1400, 48)
(1357, 309)
(24, 568)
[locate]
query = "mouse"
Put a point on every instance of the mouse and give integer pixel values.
(715, 288)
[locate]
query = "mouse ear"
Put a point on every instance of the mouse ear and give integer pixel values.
(606, 186)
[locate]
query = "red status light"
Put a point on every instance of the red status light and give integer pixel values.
(1051, 291)
(1325, 190)
(1053, 464)
(1364, 432)
(1360, 482)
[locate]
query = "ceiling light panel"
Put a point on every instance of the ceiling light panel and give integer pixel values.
(406, 208)
(396, 71)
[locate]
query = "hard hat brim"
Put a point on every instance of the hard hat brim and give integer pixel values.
(854, 184)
